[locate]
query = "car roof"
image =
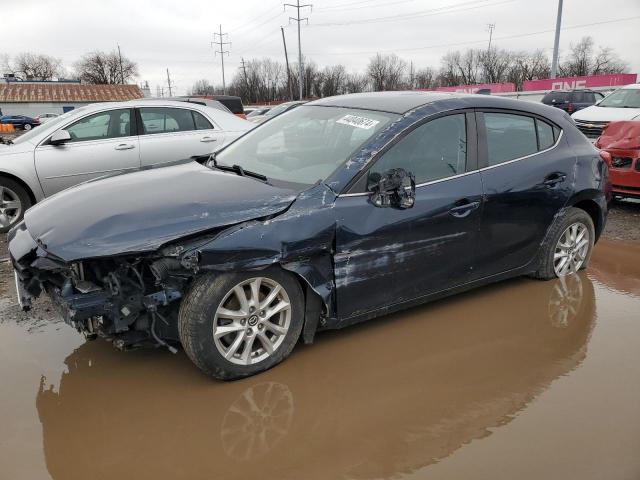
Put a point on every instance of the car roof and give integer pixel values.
(145, 102)
(403, 102)
(392, 102)
(634, 86)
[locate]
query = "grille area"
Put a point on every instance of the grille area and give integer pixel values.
(591, 129)
(621, 162)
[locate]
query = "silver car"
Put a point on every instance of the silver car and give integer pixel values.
(99, 139)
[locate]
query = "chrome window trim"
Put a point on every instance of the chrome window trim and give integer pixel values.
(557, 142)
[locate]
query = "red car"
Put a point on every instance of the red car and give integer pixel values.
(622, 141)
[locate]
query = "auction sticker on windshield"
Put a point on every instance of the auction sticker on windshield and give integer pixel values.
(358, 122)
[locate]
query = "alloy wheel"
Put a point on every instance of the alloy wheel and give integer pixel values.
(10, 207)
(571, 250)
(252, 321)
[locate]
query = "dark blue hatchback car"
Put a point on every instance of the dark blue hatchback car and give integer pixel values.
(338, 211)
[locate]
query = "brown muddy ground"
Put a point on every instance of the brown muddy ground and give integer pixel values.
(521, 380)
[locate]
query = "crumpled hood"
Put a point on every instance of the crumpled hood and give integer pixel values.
(595, 113)
(141, 211)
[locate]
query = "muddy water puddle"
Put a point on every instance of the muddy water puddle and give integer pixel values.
(523, 379)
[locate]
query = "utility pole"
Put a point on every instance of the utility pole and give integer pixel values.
(556, 43)
(168, 84)
(221, 43)
(286, 59)
(411, 75)
(490, 27)
(121, 72)
(246, 80)
(297, 6)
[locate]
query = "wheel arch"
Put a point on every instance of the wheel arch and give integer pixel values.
(594, 210)
(22, 183)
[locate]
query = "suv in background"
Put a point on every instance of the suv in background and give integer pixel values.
(234, 104)
(572, 100)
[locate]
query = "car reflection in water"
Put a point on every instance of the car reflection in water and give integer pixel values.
(441, 376)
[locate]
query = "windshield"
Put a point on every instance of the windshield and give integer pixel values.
(51, 124)
(305, 144)
(622, 98)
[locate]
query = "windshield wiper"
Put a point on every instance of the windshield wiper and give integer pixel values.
(237, 169)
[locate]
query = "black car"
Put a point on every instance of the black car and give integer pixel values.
(336, 212)
(20, 121)
(572, 100)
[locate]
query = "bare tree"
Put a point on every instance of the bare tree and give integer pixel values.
(334, 80)
(202, 87)
(579, 60)
(105, 68)
(32, 66)
(495, 64)
(386, 72)
(356, 83)
(425, 78)
(607, 61)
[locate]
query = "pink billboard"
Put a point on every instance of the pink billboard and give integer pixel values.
(492, 87)
(572, 83)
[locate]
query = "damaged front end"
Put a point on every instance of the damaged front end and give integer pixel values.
(129, 300)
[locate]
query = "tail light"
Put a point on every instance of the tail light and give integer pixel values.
(606, 156)
(571, 108)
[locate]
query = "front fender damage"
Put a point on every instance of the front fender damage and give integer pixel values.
(300, 240)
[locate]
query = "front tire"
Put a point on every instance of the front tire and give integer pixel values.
(14, 201)
(26, 126)
(568, 245)
(234, 325)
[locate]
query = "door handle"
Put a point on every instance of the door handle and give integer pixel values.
(553, 179)
(208, 139)
(463, 208)
(124, 146)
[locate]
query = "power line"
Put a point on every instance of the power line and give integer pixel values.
(490, 28)
(459, 44)
(410, 16)
(346, 6)
(220, 42)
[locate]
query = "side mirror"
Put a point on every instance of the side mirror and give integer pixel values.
(394, 188)
(60, 137)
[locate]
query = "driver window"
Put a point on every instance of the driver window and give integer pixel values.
(433, 151)
(101, 126)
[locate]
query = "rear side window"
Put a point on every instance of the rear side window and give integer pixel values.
(509, 136)
(545, 135)
(166, 120)
(201, 122)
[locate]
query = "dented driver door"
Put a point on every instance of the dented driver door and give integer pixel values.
(386, 255)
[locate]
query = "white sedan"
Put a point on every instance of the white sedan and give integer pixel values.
(103, 138)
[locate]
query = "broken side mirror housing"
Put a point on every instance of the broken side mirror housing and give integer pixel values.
(60, 137)
(394, 188)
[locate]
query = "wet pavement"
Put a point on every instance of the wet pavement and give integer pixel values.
(520, 380)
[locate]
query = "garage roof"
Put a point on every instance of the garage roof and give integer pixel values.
(66, 93)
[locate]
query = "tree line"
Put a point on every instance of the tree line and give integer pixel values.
(93, 68)
(266, 80)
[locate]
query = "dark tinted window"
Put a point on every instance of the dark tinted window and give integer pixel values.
(232, 103)
(555, 97)
(509, 136)
(100, 126)
(201, 122)
(435, 150)
(545, 135)
(165, 120)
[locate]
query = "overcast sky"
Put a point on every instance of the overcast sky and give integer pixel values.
(176, 34)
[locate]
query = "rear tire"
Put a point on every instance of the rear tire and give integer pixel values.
(228, 338)
(14, 201)
(558, 245)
